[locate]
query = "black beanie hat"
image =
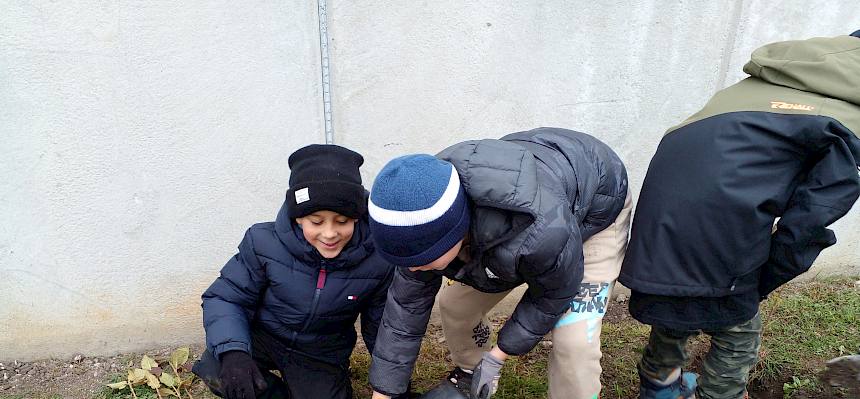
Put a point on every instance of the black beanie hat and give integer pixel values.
(856, 34)
(325, 177)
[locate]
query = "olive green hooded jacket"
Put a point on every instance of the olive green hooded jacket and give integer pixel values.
(782, 143)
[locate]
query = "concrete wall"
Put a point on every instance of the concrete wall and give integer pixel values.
(140, 140)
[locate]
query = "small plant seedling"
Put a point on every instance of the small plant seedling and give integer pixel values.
(164, 382)
(789, 388)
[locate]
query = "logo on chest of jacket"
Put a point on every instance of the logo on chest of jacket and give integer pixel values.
(785, 105)
(352, 297)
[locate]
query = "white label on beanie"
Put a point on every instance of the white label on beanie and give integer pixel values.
(302, 195)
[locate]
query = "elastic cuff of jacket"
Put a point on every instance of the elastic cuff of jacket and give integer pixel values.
(389, 394)
(231, 346)
(512, 352)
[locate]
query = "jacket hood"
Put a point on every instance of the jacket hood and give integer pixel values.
(500, 179)
(829, 66)
(359, 247)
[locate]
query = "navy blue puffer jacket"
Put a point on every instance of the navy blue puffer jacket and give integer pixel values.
(279, 283)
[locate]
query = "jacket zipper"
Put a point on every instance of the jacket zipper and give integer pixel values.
(314, 304)
(320, 284)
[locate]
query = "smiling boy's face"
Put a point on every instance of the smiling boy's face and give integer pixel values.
(327, 231)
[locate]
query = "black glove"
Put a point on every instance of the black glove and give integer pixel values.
(240, 377)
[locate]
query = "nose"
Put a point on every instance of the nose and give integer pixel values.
(329, 233)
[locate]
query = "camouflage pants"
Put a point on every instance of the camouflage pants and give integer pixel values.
(725, 371)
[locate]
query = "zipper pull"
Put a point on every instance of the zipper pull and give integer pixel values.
(321, 279)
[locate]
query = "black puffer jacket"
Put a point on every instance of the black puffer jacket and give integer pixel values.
(535, 196)
(280, 283)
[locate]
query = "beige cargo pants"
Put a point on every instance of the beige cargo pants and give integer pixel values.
(574, 364)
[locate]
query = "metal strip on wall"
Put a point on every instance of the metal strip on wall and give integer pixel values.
(326, 75)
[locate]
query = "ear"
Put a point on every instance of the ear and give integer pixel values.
(299, 221)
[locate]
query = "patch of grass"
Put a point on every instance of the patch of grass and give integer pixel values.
(434, 361)
(527, 375)
(621, 344)
(359, 367)
(432, 366)
(804, 325)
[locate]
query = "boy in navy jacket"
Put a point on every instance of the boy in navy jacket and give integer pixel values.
(288, 301)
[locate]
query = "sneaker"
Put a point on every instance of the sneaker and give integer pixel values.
(461, 379)
(683, 388)
(455, 386)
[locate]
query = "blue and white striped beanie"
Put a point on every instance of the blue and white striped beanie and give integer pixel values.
(418, 210)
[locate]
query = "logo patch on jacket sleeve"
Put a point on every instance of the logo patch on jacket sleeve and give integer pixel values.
(785, 105)
(352, 297)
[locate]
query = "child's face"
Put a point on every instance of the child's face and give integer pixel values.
(327, 231)
(441, 262)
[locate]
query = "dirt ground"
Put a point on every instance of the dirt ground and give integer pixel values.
(84, 376)
(78, 377)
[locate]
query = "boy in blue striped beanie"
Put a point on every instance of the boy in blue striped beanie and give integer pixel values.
(493, 215)
(423, 205)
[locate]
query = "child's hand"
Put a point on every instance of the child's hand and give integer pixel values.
(240, 377)
(377, 395)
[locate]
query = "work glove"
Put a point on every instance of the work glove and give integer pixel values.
(240, 377)
(485, 378)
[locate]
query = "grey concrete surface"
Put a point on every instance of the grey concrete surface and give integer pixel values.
(140, 140)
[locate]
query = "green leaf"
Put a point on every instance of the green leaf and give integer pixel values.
(167, 391)
(152, 381)
(167, 379)
(147, 363)
(179, 357)
(119, 385)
